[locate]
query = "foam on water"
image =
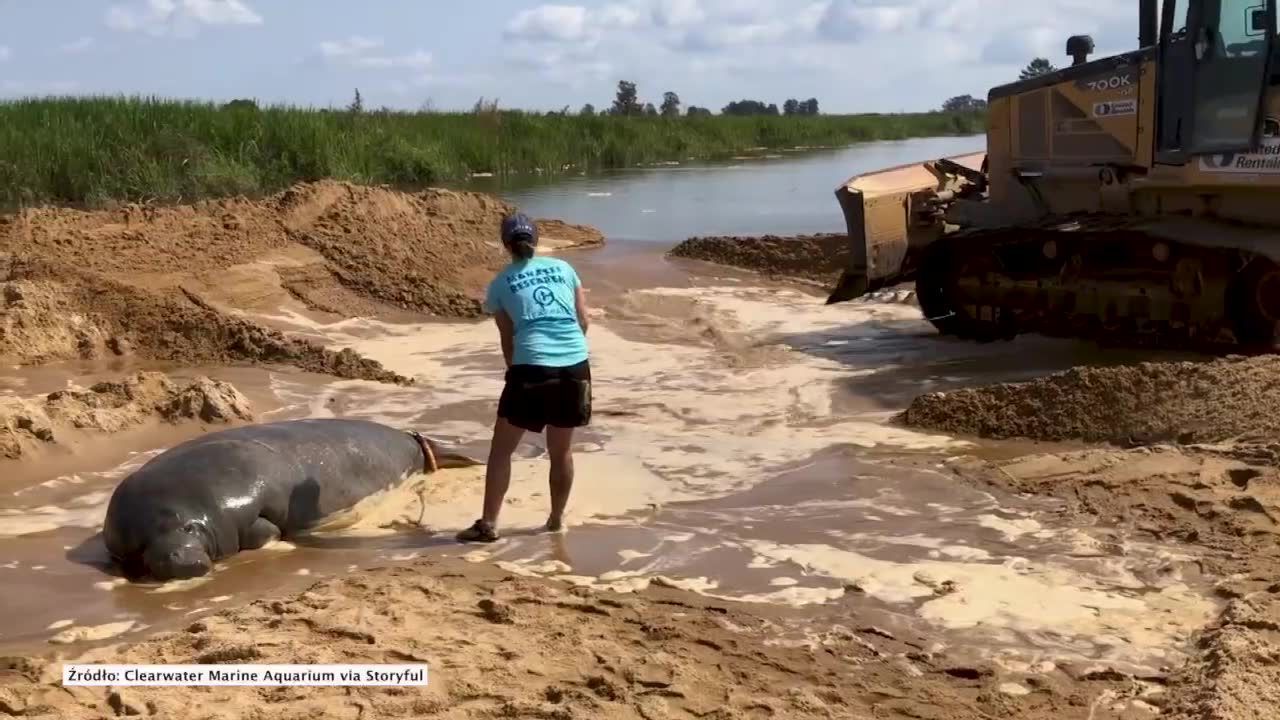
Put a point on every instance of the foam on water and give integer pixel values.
(695, 427)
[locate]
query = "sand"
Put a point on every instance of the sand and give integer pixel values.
(109, 407)
(812, 259)
(502, 645)
(167, 283)
(1228, 399)
(1227, 510)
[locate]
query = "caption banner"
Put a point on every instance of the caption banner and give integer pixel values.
(245, 675)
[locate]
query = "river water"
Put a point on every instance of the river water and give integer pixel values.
(743, 447)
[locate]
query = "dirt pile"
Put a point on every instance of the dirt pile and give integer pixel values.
(166, 282)
(817, 259)
(499, 645)
(1185, 402)
(431, 252)
(54, 313)
(113, 406)
(1227, 511)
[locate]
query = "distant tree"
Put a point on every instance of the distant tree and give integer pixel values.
(964, 103)
(695, 111)
(791, 107)
(650, 110)
(1035, 68)
(749, 107)
(809, 107)
(587, 110)
(242, 104)
(357, 104)
(670, 104)
(627, 101)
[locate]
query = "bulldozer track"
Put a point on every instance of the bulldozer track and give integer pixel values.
(1099, 277)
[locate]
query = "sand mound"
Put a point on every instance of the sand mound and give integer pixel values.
(113, 406)
(504, 646)
(166, 281)
(1187, 402)
(54, 313)
(817, 259)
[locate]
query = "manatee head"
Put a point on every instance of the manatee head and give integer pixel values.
(177, 550)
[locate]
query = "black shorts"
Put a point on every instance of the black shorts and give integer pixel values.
(536, 396)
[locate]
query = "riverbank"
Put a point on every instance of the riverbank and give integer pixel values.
(173, 284)
(808, 259)
(96, 151)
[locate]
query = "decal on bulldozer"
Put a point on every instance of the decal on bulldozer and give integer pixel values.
(1120, 81)
(1115, 108)
(1264, 161)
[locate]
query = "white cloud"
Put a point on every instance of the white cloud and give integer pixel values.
(1033, 41)
(855, 19)
(351, 47)
(416, 60)
(358, 51)
(76, 47)
(5, 53)
(678, 13)
(618, 16)
(553, 23)
(222, 12)
(161, 17)
(726, 36)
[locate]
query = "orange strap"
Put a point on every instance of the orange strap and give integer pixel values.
(428, 454)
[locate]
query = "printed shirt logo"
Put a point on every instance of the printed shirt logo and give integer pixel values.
(543, 296)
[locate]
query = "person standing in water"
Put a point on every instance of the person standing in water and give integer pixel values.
(541, 313)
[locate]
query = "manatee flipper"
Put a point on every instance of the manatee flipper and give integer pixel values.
(259, 534)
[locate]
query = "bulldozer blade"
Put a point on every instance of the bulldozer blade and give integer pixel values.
(888, 220)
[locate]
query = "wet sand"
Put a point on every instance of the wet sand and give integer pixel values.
(742, 451)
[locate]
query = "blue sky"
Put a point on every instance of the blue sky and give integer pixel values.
(853, 55)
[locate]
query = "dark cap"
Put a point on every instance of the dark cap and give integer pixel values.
(519, 226)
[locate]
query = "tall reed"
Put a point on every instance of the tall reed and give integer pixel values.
(95, 150)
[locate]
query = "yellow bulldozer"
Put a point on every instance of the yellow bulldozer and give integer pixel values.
(1129, 199)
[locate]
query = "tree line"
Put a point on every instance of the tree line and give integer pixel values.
(627, 102)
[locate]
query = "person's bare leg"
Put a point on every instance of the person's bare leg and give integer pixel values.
(497, 474)
(560, 449)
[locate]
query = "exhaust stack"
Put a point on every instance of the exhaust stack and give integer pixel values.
(1148, 22)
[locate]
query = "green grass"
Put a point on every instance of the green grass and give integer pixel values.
(92, 151)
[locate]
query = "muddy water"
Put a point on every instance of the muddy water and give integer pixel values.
(742, 448)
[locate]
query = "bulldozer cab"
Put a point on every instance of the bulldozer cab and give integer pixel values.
(1215, 66)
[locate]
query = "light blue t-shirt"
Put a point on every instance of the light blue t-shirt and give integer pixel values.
(538, 295)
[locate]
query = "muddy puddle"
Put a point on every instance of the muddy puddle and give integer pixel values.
(742, 448)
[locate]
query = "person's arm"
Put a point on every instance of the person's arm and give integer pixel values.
(580, 302)
(579, 298)
(506, 330)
